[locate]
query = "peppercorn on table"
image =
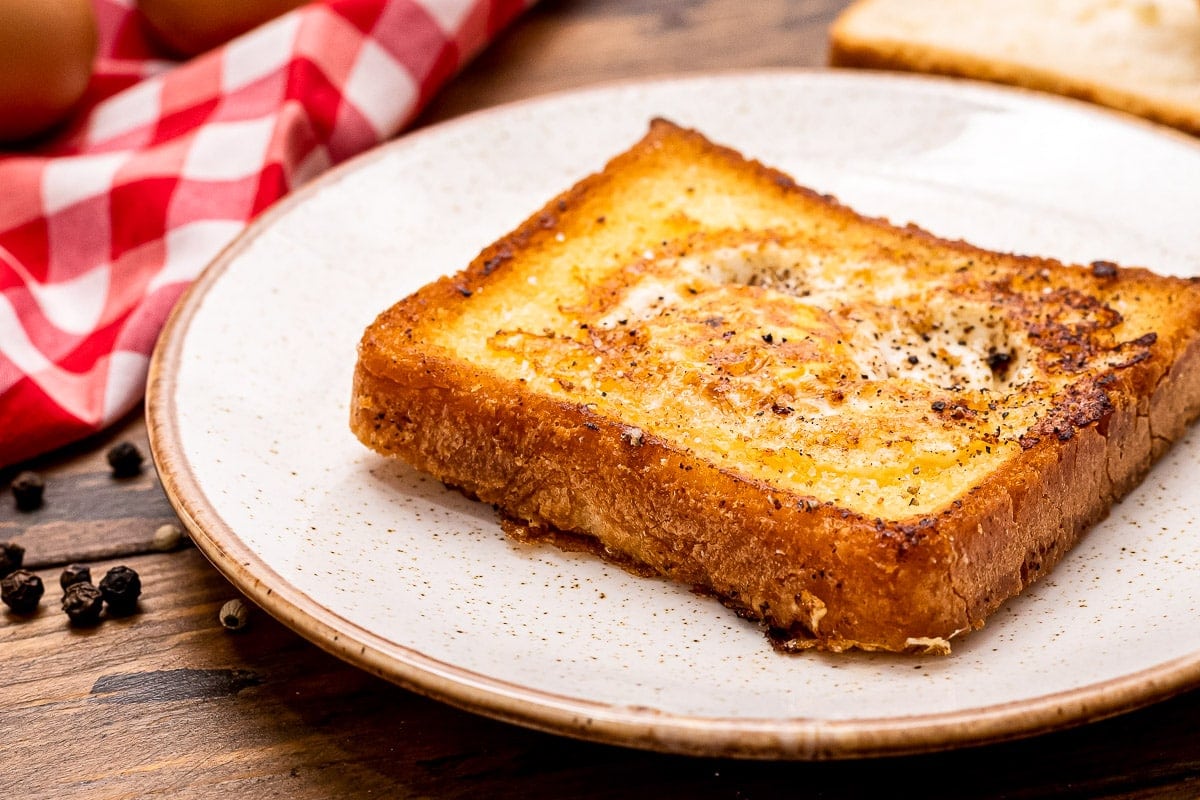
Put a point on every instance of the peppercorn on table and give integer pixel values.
(189, 690)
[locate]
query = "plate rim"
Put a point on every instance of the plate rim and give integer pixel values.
(792, 738)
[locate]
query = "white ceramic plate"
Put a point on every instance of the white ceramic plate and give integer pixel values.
(389, 570)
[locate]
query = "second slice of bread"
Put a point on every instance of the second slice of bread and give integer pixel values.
(860, 434)
(1139, 56)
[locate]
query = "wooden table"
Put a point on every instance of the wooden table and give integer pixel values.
(167, 703)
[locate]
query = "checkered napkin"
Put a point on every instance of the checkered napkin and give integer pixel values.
(103, 227)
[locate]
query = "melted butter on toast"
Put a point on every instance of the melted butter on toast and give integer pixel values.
(854, 385)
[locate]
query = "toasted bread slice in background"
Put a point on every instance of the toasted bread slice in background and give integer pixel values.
(860, 434)
(1139, 56)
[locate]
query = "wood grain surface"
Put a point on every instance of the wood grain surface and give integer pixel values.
(167, 703)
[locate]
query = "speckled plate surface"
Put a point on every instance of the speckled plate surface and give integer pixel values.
(389, 570)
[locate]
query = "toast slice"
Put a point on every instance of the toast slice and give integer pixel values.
(859, 434)
(1139, 56)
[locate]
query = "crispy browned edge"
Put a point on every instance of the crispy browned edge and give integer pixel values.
(847, 48)
(834, 576)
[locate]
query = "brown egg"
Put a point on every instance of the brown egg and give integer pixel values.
(189, 27)
(46, 53)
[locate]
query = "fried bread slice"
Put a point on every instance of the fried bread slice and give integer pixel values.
(860, 434)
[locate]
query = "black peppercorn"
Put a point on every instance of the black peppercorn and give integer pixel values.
(21, 591)
(12, 555)
(125, 459)
(28, 489)
(75, 573)
(83, 602)
(121, 587)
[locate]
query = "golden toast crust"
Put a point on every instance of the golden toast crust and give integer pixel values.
(574, 419)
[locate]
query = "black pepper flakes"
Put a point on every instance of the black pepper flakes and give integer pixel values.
(75, 573)
(21, 591)
(490, 265)
(938, 405)
(125, 459)
(999, 363)
(12, 556)
(121, 587)
(82, 603)
(28, 490)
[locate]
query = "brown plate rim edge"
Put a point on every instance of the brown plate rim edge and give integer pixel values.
(646, 728)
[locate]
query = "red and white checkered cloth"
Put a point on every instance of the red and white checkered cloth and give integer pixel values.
(103, 227)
